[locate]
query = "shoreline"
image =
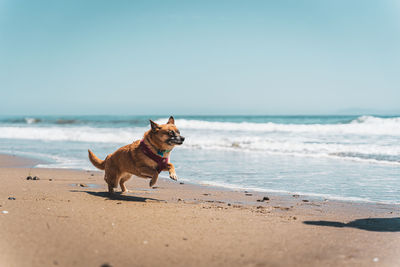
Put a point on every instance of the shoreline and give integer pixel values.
(9, 160)
(67, 219)
(32, 162)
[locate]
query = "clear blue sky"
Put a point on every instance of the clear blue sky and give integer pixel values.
(199, 57)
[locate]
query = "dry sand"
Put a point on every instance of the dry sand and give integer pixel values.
(67, 219)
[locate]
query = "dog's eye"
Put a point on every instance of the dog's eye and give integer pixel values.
(171, 133)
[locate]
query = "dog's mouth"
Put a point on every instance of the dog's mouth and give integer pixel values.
(176, 140)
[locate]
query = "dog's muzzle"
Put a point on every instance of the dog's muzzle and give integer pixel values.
(176, 140)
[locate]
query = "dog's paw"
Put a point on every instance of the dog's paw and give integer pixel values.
(173, 176)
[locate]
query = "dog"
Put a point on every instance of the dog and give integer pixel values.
(144, 158)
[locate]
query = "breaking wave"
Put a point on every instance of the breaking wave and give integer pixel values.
(366, 138)
(368, 125)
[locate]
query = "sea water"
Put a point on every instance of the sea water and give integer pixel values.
(335, 157)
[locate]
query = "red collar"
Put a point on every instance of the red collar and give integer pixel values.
(161, 162)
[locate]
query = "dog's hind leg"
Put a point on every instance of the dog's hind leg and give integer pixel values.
(110, 189)
(112, 179)
(122, 181)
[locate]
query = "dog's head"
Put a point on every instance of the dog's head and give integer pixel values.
(166, 134)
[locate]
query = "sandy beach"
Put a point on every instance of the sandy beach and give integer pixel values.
(67, 219)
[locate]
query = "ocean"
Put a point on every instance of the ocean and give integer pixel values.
(353, 158)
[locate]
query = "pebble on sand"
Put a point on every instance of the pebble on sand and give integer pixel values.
(4, 212)
(11, 198)
(263, 199)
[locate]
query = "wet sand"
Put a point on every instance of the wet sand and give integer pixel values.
(67, 219)
(12, 161)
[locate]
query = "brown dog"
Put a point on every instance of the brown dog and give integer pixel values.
(145, 158)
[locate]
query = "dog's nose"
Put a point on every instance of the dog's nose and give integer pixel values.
(182, 138)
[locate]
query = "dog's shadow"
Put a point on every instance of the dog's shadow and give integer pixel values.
(119, 196)
(368, 224)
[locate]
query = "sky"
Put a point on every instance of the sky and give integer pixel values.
(199, 57)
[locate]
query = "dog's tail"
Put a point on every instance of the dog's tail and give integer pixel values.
(98, 163)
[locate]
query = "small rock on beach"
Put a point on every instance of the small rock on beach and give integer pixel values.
(263, 199)
(32, 178)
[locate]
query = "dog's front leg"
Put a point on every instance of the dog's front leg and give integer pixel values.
(154, 179)
(147, 172)
(172, 173)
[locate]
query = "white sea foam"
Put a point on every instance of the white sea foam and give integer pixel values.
(79, 134)
(367, 139)
(364, 125)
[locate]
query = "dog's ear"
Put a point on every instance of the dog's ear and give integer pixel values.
(154, 126)
(171, 120)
